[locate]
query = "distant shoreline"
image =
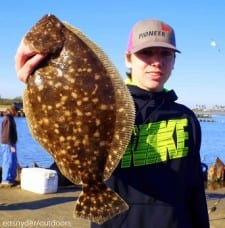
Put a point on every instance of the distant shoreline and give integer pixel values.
(198, 112)
(209, 112)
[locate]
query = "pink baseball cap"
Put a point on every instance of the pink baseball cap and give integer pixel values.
(151, 33)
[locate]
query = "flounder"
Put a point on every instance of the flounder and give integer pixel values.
(79, 109)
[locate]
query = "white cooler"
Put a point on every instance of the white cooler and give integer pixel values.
(39, 180)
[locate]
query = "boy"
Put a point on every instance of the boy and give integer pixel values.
(160, 174)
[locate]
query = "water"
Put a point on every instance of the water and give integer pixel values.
(213, 140)
(29, 151)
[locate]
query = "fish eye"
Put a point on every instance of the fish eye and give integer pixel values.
(38, 80)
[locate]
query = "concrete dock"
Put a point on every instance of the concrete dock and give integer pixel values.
(22, 208)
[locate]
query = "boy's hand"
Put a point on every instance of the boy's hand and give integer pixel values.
(26, 61)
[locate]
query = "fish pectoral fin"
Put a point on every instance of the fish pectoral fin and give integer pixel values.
(99, 206)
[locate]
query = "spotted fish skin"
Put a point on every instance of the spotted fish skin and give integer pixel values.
(79, 109)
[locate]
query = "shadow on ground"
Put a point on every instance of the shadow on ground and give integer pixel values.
(38, 204)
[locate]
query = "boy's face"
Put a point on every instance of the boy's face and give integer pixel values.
(151, 67)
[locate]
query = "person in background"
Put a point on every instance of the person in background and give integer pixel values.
(8, 147)
(160, 175)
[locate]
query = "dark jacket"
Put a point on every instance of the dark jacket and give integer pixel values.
(8, 130)
(160, 174)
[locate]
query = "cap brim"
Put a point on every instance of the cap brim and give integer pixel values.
(153, 44)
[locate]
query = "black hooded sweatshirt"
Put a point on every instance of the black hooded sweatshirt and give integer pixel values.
(160, 174)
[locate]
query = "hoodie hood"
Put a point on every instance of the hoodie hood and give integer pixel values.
(148, 103)
(139, 93)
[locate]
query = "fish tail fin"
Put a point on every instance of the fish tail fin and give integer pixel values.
(99, 204)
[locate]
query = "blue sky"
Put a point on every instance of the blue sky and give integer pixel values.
(199, 74)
